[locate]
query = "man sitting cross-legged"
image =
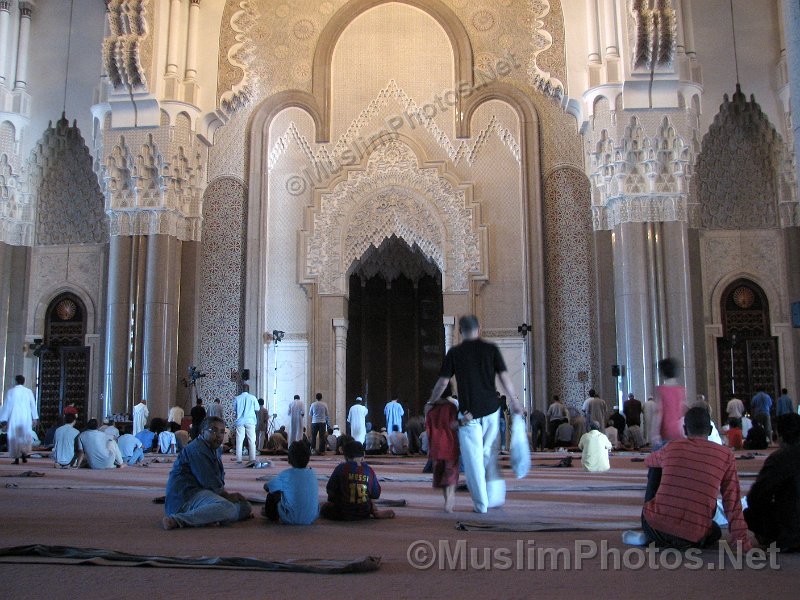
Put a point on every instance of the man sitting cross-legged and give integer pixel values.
(196, 494)
(352, 488)
(683, 483)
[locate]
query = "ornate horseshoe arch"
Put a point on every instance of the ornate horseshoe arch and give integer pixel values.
(393, 195)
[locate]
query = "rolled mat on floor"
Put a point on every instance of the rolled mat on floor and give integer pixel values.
(69, 555)
(507, 526)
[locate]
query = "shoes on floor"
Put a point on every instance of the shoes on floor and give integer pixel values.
(634, 538)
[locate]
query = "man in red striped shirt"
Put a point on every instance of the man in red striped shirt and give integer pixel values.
(683, 483)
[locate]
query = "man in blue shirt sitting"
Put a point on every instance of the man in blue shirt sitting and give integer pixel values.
(196, 494)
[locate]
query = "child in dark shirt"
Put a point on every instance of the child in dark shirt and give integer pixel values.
(352, 489)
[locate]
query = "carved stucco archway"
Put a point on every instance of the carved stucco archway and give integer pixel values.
(394, 195)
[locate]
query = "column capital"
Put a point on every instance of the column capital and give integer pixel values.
(26, 8)
(5, 5)
(195, 2)
(341, 323)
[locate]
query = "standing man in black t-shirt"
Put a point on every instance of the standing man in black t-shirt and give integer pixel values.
(475, 362)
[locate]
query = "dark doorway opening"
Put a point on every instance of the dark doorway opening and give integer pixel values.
(64, 363)
(395, 340)
(747, 353)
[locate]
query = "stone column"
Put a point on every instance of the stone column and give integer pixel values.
(172, 37)
(593, 24)
(159, 364)
(688, 28)
(791, 28)
(118, 326)
(21, 79)
(680, 44)
(610, 28)
(633, 310)
(449, 323)
(5, 22)
(340, 378)
(678, 321)
(191, 40)
(5, 296)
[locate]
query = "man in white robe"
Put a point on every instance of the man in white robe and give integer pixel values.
(394, 415)
(357, 417)
(175, 415)
(140, 414)
(297, 412)
(19, 414)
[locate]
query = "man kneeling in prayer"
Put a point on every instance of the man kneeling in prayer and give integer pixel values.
(352, 489)
(683, 482)
(196, 494)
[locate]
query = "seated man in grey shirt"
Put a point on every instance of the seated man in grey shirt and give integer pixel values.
(64, 443)
(100, 451)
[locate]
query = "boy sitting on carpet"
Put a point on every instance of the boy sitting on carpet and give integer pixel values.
(352, 489)
(293, 497)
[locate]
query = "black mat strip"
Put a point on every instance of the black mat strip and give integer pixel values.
(111, 558)
(544, 526)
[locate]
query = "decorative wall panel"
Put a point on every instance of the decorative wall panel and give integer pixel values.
(569, 280)
(221, 289)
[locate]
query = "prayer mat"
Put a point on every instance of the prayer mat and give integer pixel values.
(387, 502)
(580, 488)
(507, 526)
(25, 474)
(69, 555)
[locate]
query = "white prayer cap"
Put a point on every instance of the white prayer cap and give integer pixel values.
(359, 399)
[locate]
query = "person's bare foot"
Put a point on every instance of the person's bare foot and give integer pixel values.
(383, 514)
(449, 498)
(169, 523)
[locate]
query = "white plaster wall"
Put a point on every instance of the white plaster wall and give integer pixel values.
(48, 61)
(757, 42)
(291, 374)
(392, 41)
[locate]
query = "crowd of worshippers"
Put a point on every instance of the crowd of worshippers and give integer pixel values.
(683, 440)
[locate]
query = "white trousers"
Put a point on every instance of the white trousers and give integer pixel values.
(479, 451)
(250, 429)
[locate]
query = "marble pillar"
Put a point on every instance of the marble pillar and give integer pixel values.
(5, 24)
(118, 327)
(23, 44)
(449, 323)
(173, 38)
(633, 311)
(340, 376)
(678, 315)
(162, 293)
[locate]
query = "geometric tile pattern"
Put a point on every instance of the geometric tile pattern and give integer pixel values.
(222, 289)
(569, 284)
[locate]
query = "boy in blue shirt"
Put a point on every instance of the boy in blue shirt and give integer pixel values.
(292, 496)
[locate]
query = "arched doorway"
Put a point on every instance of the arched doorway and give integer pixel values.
(747, 353)
(395, 339)
(64, 363)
